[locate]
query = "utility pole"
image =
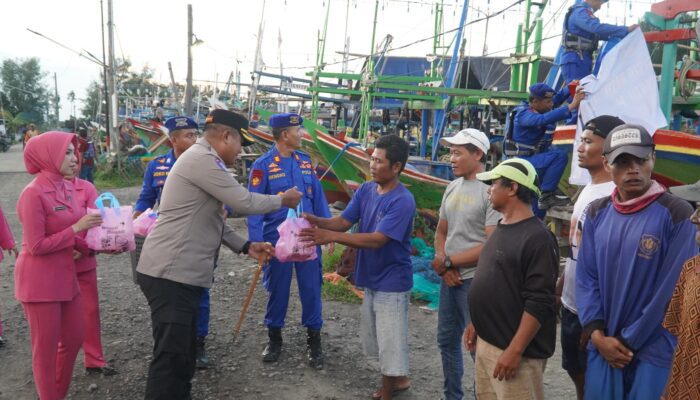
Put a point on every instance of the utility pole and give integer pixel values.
(55, 98)
(112, 86)
(173, 86)
(188, 86)
(105, 72)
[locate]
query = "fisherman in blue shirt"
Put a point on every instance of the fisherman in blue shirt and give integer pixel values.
(282, 168)
(582, 31)
(182, 132)
(531, 123)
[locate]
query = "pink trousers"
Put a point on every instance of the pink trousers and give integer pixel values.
(56, 330)
(92, 346)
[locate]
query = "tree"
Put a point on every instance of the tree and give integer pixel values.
(93, 104)
(26, 93)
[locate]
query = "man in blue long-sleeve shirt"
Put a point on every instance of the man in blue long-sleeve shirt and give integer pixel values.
(633, 247)
(582, 31)
(282, 168)
(531, 123)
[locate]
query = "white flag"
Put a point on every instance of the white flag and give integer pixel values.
(626, 88)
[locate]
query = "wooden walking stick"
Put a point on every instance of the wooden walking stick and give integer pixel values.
(253, 284)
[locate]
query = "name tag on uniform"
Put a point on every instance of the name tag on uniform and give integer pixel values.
(277, 176)
(60, 208)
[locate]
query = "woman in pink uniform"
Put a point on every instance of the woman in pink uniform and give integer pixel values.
(45, 277)
(7, 242)
(86, 268)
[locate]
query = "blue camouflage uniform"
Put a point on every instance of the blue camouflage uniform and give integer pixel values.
(529, 132)
(153, 181)
(274, 174)
(582, 31)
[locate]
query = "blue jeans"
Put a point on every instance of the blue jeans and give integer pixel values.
(453, 318)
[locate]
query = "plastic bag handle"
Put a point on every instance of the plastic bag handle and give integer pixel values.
(113, 202)
(299, 210)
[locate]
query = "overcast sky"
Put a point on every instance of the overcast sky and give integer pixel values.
(153, 32)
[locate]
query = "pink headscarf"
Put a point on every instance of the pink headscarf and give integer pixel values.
(44, 155)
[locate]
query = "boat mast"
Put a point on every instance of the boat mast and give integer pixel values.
(320, 52)
(452, 72)
(365, 86)
(256, 66)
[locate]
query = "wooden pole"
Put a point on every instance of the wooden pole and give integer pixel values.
(253, 284)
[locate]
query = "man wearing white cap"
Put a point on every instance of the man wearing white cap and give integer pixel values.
(466, 221)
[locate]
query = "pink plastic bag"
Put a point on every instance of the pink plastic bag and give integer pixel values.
(116, 232)
(144, 223)
(289, 248)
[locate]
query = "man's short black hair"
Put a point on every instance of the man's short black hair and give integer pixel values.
(395, 147)
(523, 194)
(473, 150)
(277, 132)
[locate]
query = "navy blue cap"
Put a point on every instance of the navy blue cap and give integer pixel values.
(176, 123)
(541, 91)
(285, 120)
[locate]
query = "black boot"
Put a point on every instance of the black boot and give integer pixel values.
(313, 348)
(202, 359)
(274, 345)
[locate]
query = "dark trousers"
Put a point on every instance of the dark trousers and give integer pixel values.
(174, 319)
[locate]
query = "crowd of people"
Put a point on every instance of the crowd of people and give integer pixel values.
(626, 300)
(624, 310)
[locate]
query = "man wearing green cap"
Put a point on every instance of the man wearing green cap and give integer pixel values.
(513, 333)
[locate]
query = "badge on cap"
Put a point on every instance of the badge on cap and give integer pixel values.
(294, 120)
(626, 136)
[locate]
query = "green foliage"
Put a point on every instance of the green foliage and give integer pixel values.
(342, 291)
(331, 260)
(24, 91)
(109, 175)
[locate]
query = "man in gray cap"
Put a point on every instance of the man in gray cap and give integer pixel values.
(632, 249)
(177, 260)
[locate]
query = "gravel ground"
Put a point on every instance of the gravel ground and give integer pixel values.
(237, 371)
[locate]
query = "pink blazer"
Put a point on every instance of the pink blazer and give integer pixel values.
(85, 195)
(45, 270)
(7, 241)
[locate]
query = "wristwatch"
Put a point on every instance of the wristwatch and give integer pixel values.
(447, 263)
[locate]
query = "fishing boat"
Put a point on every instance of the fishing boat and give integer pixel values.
(677, 154)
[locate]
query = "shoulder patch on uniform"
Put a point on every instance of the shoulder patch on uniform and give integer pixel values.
(220, 164)
(589, 13)
(256, 177)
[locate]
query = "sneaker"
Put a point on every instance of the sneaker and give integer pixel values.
(2, 342)
(550, 199)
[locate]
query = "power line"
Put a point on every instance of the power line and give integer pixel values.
(495, 14)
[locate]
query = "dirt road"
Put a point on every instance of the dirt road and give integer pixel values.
(238, 372)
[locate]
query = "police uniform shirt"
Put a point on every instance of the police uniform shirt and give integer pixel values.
(273, 174)
(530, 126)
(191, 224)
(583, 22)
(153, 181)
